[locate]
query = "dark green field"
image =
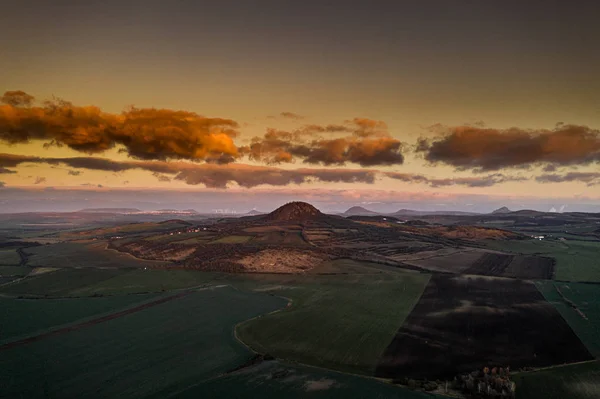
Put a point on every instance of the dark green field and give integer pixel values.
(22, 317)
(338, 322)
(580, 381)
(9, 257)
(586, 297)
(60, 283)
(159, 350)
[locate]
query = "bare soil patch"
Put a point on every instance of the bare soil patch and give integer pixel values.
(462, 323)
(516, 266)
(281, 261)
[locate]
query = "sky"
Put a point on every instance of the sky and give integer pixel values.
(462, 104)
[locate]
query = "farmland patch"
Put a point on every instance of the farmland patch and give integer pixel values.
(156, 351)
(463, 323)
(517, 266)
(338, 322)
(83, 254)
(9, 257)
(578, 381)
(20, 317)
(60, 283)
(579, 304)
(232, 240)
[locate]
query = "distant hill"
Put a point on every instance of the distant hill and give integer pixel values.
(410, 212)
(528, 212)
(254, 212)
(294, 211)
(359, 211)
(110, 210)
(501, 210)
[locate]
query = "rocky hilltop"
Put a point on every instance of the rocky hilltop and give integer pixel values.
(294, 211)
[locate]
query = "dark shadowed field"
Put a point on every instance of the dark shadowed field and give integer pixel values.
(461, 324)
(517, 266)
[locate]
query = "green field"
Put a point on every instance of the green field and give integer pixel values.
(83, 254)
(151, 280)
(59, 283)
(575, 260)
(587, 299)
(296, 382)
(102, 282)
(157, 351)
(338, 322)
(166, 238)
(579, 381)
(124, 229)
(18, 271)
(9, 257)
(21, 317)
(232, 240)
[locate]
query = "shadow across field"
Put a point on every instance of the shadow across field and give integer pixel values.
(461, 324)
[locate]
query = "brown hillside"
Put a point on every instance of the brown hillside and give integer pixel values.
(296, 211)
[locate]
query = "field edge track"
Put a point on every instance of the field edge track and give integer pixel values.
(94, 321)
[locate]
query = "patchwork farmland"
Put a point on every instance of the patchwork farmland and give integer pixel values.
(414, 305)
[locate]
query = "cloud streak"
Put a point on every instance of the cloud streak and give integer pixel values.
(220, 176)
(590, 178)
(483, 149)
(478, 181)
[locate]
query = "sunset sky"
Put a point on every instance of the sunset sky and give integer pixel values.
(412, 102)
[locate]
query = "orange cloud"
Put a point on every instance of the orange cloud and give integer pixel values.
(144, 133)
(368, 144)
(480, 149)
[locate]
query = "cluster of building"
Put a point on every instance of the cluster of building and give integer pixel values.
(487, 383)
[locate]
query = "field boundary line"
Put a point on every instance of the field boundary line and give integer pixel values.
(556, 366)
(92, 322)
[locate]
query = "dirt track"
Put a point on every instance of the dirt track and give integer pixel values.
(92, 322)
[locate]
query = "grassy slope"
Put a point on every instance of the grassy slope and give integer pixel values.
(22, 317)
(299, 382)
(60, 283)
(166, 348)
(587, 299)
(338, 322)
(232, 240)
(575, 260)
(579, 381)
(78, 254)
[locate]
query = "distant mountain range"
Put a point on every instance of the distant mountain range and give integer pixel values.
(110, 210)
(135, 210)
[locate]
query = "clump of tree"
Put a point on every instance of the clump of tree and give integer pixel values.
(421, 385)
(486, 383)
